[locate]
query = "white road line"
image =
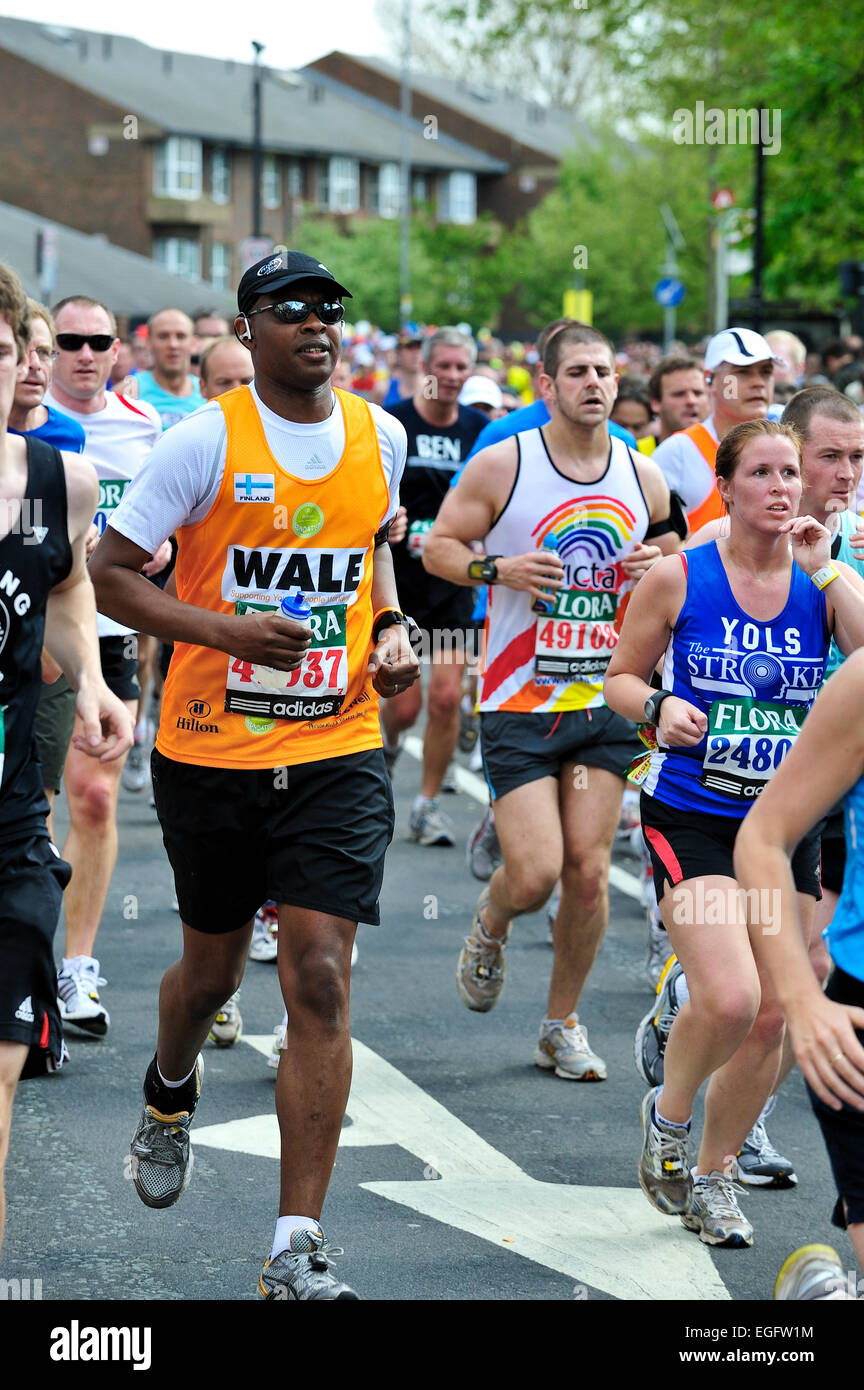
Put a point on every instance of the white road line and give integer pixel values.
(476, 787)
(608, 1237)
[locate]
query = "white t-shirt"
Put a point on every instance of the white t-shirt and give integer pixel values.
(117, 440)
(684, 467)
(184, 472)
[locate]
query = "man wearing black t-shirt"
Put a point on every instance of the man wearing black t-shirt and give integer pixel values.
(441, 433)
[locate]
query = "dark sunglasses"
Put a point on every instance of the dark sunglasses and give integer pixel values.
(73, 342)
(296, 311)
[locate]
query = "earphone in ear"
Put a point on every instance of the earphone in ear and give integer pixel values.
(246, 335)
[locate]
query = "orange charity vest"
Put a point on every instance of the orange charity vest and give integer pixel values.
(712, 508)
(267, 535)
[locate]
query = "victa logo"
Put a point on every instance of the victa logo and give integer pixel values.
(199, 709)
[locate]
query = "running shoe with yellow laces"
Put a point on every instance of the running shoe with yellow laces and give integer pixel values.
(227, 1026)
(160, 1158)
(482, 968)
(304, 1271)
(664, 1169)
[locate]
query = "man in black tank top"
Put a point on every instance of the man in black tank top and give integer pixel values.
(441, 434)
(47, 500)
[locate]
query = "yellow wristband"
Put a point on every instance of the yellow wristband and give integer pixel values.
(822, 578)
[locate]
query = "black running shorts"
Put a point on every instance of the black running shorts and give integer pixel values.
(690, 844)
(521, 748)
(32, 879)
(55, 717)
(453, 616)
(843, 1130)
(834, 850)
(312, 836)
(120, 665)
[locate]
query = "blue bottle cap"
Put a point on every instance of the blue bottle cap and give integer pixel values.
(294, 605)
(550, 542)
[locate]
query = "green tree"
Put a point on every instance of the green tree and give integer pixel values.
(457, 273)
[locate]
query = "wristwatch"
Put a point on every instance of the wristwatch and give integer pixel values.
(484, 570)
(391, 617)
(653, 703)
(824, 576)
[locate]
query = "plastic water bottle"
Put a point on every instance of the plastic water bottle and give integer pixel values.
(293, 606)
(550, 542)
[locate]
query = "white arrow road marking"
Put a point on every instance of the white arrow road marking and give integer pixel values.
(609, 1237)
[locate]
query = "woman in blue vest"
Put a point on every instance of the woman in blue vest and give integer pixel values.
(826, 1030)
(743, 625)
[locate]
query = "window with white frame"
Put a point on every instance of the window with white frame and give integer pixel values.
(419, 188)
(457, 198)
(389, 190)
(220, 176)
(181, 255)
(271, 182)
(344, 184)
(220, 265)
(177, 168)
(295, 178)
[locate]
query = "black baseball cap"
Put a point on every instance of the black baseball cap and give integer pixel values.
(280, 270)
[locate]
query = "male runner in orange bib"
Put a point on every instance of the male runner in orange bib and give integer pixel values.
(268, 772)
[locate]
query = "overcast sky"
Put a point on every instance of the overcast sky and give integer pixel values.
(295, 33)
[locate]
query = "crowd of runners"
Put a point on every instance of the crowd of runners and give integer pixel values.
(239, 561)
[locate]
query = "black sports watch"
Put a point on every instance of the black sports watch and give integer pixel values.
(484, 570)
(391, 617)
(653, 703)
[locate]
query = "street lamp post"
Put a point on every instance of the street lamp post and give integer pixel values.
(405, 300)
(256, 139)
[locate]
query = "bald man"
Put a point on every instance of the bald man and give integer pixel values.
(169, 387)
(224, 365)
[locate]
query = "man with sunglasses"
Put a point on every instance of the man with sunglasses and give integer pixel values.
(268, 772)
(119, 435)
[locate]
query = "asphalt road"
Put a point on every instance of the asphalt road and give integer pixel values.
(469, 1175)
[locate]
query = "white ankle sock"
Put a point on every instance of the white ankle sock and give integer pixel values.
(671, 1124)
(285, 1228)
(173, 1085)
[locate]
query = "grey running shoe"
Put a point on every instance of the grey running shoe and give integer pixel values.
(759, 1164)
(428, 825)
(649, 1047)
(659, 948)
(483, 852)
(469, 729)
(136, 769)
(482, 969)
(565, 1048)
(227, 1025)
(714, 1212)
(814, 1272)
(161, 1158)
(664, 1172)
(304, 1271)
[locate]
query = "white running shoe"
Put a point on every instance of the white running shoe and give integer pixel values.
(227, 1025)
(136, 770)
(428, 825)
(78, 982)
(265, 933)
(483, 852)
(564, 1048)
(278, 1042)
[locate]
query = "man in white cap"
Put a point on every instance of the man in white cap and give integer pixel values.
(483, 394)
(739, 374)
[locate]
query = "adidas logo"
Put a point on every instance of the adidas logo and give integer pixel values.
(25, 1010)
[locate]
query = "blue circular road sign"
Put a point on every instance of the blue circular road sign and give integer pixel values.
(669, 292)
